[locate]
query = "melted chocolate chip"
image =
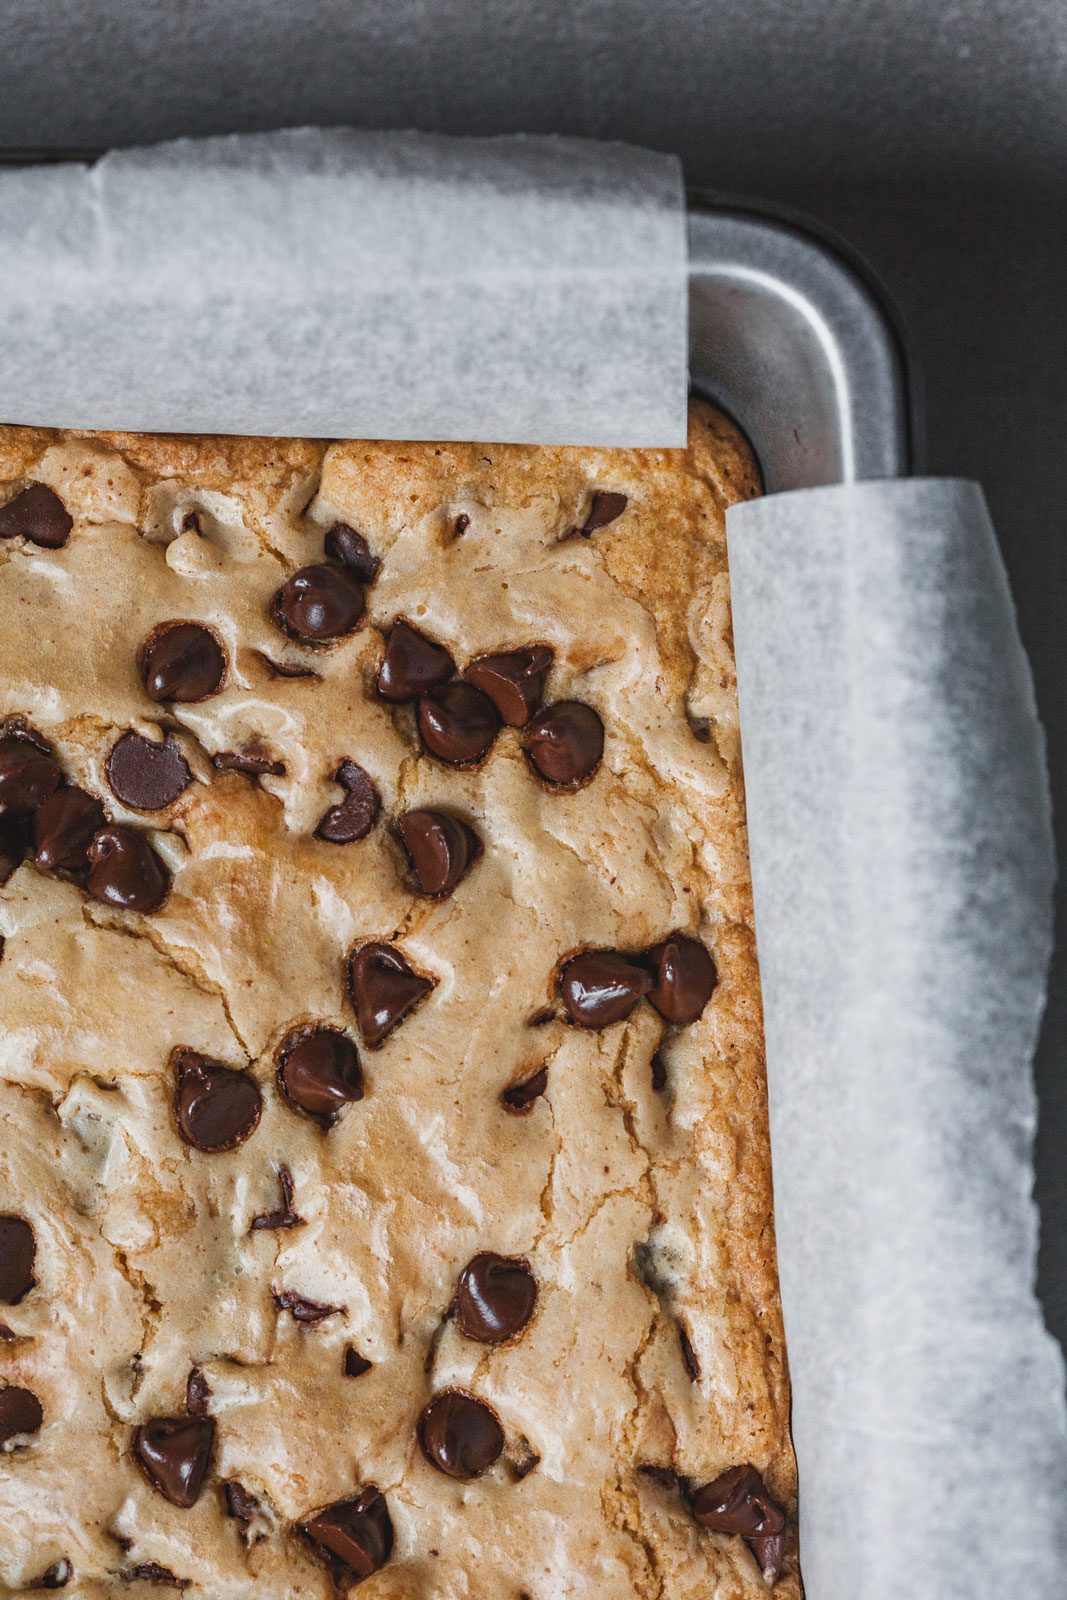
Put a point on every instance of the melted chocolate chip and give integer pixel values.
(690, 1359)
(458, 723)
(565, 743)
(309, 1313)
(217, 1107)
(318, 604)
(659, 1072)
(18, 1253)
(354, 818)
(320, 1071)
(384, 989)
(685, 978)
(20, 1412)
(606, 506)
(460, 1434)
(357, 1533)
(12, 844)
(344, 544)
(521, 1458)
(58, 1575)
(769, 1551)
(154, 1572)
(146, 776)
(197, 1393)
(173, 1453)
(28, 774)
(440, 848)
(738, 1501)
(37, 514)
(286, 669)
(519, 1097)
(355, 1365)
(600, 987)
(64, 826)
(514, 681)
(240, 1505)
(285, 1216)
(495, 1298)
(460, 526)
(412, 664)
(125, 871)
(253, 761)
(182, 661)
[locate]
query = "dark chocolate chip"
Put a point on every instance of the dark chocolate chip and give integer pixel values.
(12, 844)
(460, 526)
(495, 1298)
(606, 506)
(690, 1359)
(18, 1253)
(319, 1071)
(513, 680)
(659, 1072)
(357, 1533)
(458, 723)
(357, 813)
(287, 669)
(600, 987)
(521, 1458)
(217, 1107)
(685, 978)
(344, 544)
(28, 775)
(309, 1313)
(58, 1575)
(173, 1453)
(197, 1393)
(38, 514)
(318, 604)
(519, 1097)
(182, 661)
(240, 1504)
(384, 988)
(738, 1501)
(285, 1216)
(565, 743)
(440, 848)
(460, 1434)
(253, 761)
(769, 1551)
(154, 1572)
(20, 1412)
(355, 1365)
(125, 871)
(412, 664)
(64, 826)
(147, 776)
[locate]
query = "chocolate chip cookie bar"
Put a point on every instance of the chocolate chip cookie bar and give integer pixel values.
(384, 1180)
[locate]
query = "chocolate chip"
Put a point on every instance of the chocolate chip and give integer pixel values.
(37, 514)
(144, 775)
(344, 544)
(690, 1359)
(521, 1458)
(173, 1453)
(58, 1575)
(357, 813)
(318, 604)
(358, 1533)
(285, 1216)
(154, 1572)
(412, 664)
(384, 989)
(287, 669)
(307, 1312)
(685, 978)
(320, 1071)
(197, 1393)
(460, 526)
(659, 1072)
(440, 848)
(458, 723)
(513, 680)
(355, 1365)
(240, 1505)
(600, 987)
(606, 506)
(253, 761)
(769, 1551)
(565, 743)
(12, 844)
(738, 1501)
(125, 871)
(28, 775)
(182, 661)
(495, 1298)
(64, 826)
(217, 1107)
(460, 1435)
(20, 1412)
(519, 1097)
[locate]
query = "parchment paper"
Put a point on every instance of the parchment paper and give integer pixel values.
(902, 866)
(336, 282)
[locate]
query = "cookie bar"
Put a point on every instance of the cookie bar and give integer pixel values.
(384, 1179)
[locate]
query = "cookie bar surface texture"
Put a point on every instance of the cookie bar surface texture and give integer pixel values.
(385, 1200)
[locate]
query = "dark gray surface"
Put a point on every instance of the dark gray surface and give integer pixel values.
(932, 134)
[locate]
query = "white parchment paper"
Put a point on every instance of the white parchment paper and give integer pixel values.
(337, 282)
(902, 866)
